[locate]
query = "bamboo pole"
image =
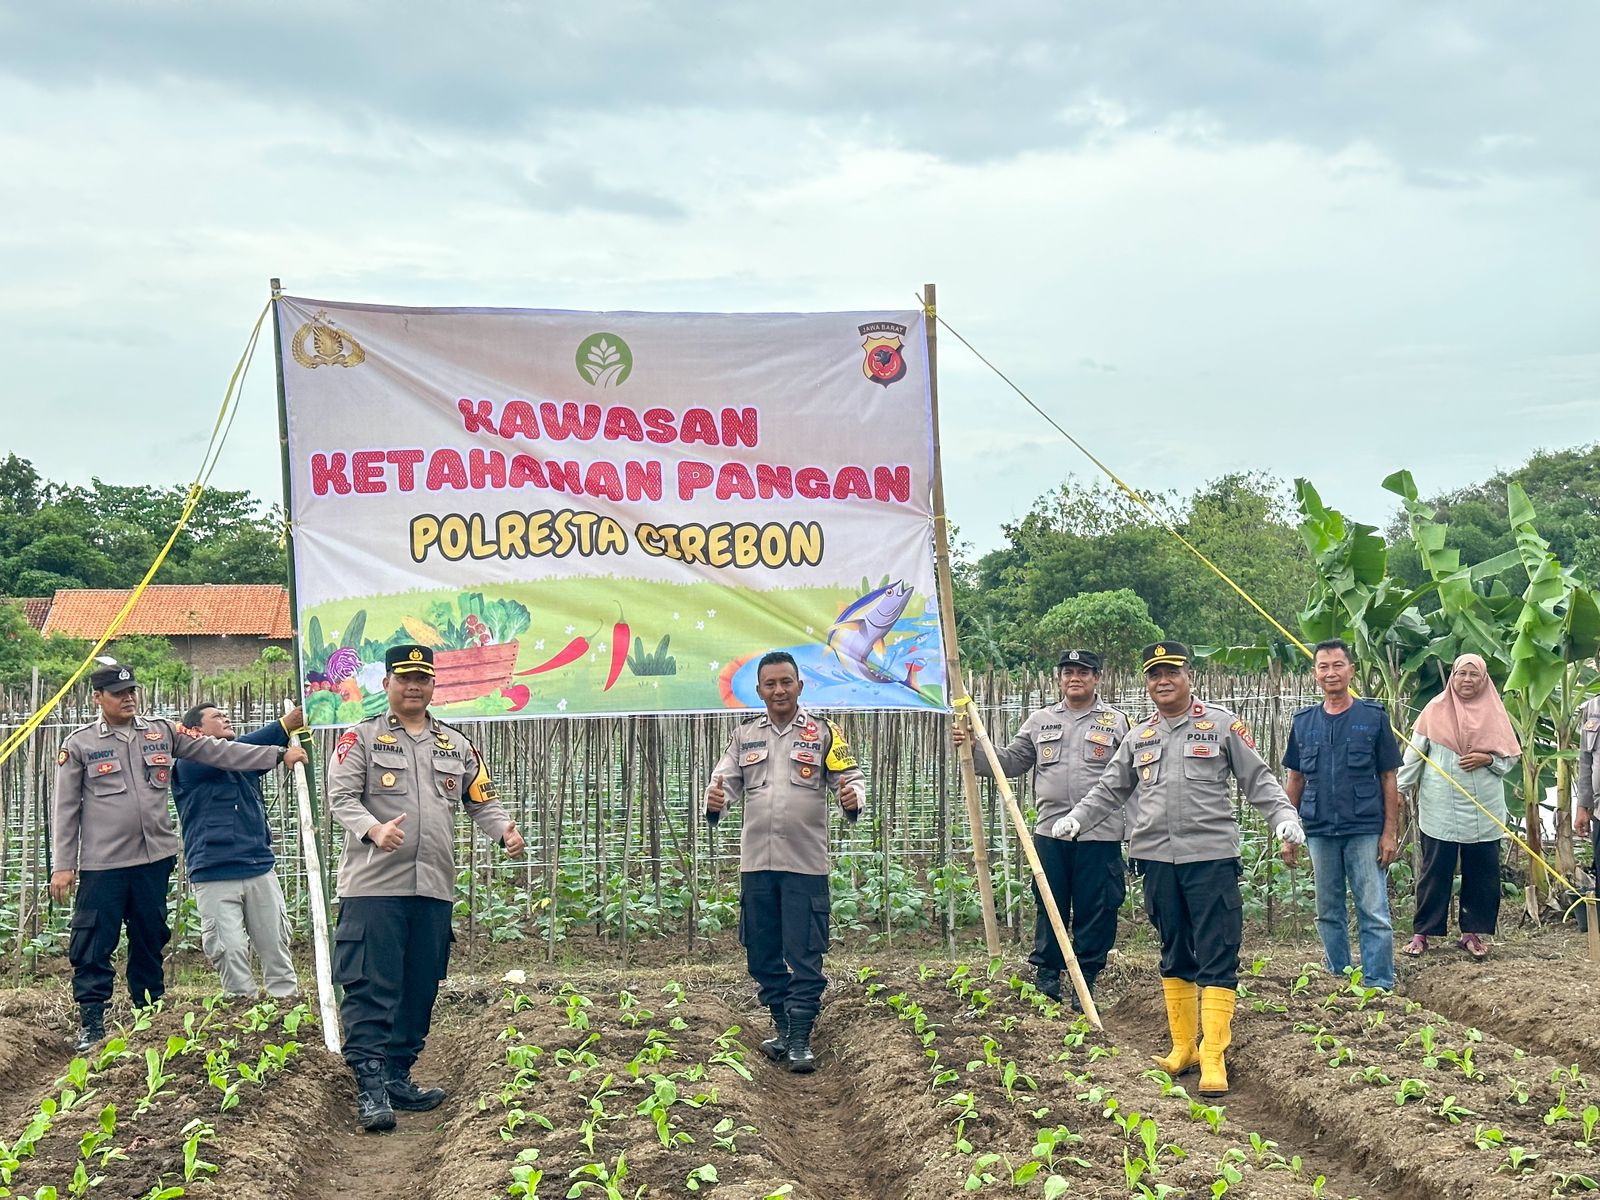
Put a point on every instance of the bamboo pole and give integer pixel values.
(959, 699)
(1025, 841)
(319, 910)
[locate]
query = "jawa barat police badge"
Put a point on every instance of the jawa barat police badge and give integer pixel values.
(884, 363)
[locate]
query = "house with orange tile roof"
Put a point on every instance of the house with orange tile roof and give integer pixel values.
(212, 626)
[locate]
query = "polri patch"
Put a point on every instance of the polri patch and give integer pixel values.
(342, 747)
(61, 759)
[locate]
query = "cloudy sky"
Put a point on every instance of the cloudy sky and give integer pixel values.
(1322, 239)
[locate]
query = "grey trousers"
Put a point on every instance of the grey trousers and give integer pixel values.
(236, 914)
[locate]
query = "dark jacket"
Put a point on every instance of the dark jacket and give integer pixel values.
(1343, 759)
(222, 816)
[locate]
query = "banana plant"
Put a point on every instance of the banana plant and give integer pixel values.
(1475, 608)
(1557, 628)
(1356, 599)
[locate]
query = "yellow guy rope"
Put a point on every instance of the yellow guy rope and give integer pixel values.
(219, 433)
(1247, 597)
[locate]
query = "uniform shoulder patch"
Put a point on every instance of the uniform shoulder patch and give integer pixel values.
(1243, 730)
(61, 759)
(481, 790)
(839, 756)
(342, 747)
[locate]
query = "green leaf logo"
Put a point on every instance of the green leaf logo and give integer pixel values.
(604, 360)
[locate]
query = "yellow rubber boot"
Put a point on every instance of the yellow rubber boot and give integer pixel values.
(1183, 1019)
(1216, 1019)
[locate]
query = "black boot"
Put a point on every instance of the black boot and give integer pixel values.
(801, 1021)
(372, 1099)
(1088, 982)
(777, 1047)
(1048, 981)
(91, 1027)
(406, 1095)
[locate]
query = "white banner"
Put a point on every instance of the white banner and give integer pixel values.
(593, 513)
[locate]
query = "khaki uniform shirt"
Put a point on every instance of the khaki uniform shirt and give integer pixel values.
(380, 771)
(110, 808)
(1067, 751)
(1588, 758)
(1172, 772)
(783, 775)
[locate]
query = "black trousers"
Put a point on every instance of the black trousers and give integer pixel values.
(106, 900)
(389, 954)
(783, 927)
(1480, 886)
(1199, 914)
(1088, 883)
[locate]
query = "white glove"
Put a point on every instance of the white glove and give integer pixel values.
(1289, 830)
(1066, 828)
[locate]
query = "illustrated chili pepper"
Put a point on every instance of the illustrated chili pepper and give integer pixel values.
(571, 652)
(619, 652)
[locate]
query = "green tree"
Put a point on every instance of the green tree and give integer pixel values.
(1114, 624)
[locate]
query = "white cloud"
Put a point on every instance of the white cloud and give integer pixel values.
(1317, 244)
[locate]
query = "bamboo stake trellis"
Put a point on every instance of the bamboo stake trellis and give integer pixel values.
(570, 787)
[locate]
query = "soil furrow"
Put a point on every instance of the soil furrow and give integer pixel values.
(1558, 1014)
(1255, 1100)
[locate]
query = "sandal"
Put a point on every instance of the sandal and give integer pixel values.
(1473, 945)
(1416, 947)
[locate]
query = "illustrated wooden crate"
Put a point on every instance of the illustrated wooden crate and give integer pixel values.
(473, 673)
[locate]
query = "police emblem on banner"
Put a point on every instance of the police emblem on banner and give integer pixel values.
(330, 346)
(884, 342)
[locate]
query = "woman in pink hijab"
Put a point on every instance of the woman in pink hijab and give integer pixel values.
(1466, 732)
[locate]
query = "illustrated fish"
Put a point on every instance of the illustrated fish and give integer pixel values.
(862, 627)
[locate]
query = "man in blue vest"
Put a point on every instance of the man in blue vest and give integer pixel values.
(1342, 760)
(227, 854)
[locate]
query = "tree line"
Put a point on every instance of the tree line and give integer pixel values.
(1086, 564)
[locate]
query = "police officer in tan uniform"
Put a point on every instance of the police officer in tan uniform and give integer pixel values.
(111, 834)
(1172, 772)
(782, 765)
(396, 784)
(1067, 746)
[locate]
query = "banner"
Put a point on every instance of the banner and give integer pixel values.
(588, 513)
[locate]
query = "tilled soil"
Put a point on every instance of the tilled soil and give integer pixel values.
(935, 1080)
